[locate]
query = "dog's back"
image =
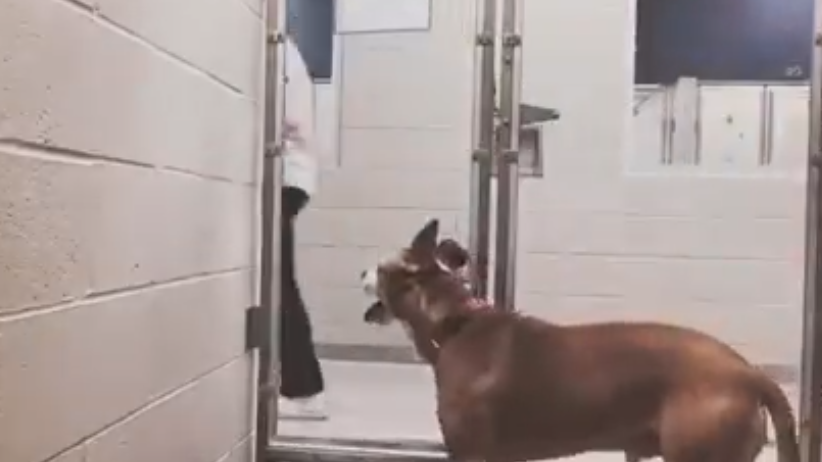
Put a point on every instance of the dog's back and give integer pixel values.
(558, 390)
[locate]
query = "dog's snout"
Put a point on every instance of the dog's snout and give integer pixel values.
(369, 282)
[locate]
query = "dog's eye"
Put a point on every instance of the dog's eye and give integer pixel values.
(403, 280)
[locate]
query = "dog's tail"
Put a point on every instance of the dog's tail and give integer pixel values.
(782, 417)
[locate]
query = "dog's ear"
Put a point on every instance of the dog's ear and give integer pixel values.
(424, 245)
(453, 254)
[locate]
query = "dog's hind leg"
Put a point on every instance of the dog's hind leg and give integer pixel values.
(711, 426)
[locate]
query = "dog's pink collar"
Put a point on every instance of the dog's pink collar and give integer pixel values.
(478, 304)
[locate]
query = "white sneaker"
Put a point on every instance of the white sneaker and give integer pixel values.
(311, 408)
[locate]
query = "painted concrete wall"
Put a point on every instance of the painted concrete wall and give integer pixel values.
(128, 186)
(601, 240)
(395, 145)
(601, 236)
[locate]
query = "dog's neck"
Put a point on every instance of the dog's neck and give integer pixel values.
(444, 309)
(430, 333)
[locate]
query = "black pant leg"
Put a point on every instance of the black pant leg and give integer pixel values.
(300, 367)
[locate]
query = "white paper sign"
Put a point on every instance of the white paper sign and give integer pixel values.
(363, 16)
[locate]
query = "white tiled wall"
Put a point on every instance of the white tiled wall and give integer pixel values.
(601, 236)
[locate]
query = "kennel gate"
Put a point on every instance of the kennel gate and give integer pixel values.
(493, 120)
(262, 322)
(496, 145)
(810, 410)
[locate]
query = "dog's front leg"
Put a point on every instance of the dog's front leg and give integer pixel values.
(467, 434)
(426, 348)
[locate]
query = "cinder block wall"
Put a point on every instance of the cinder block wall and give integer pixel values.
(598, 240)
(128, 193)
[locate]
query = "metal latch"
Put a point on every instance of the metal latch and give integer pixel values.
(256, 332)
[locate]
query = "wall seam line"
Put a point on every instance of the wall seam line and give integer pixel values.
(45, 151)
(113, 294)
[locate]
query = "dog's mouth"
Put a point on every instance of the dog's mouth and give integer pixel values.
(377, 313)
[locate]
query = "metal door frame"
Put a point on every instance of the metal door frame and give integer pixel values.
(507, 155)
(810, 408)
(270, 446)
(484, 144)
(496, 141)
(267, 322)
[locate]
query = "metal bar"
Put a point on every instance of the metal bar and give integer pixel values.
(336, 451)
(667, 127)
(769, 146)
(766, 126)
(268, 355)
(810, 412)
(508, 156)
(752, 83)
(479, 239)
(697, 126)
(405, 444)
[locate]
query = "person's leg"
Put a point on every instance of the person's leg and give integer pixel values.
(302, 378)
(301, 373)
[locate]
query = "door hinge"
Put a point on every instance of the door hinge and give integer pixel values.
(256, 332)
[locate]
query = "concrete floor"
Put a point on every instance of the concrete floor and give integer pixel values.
(373, 401)
(392, 403)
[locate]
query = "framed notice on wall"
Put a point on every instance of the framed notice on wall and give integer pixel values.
(374, 16)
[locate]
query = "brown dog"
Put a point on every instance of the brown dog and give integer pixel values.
(513, 388)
